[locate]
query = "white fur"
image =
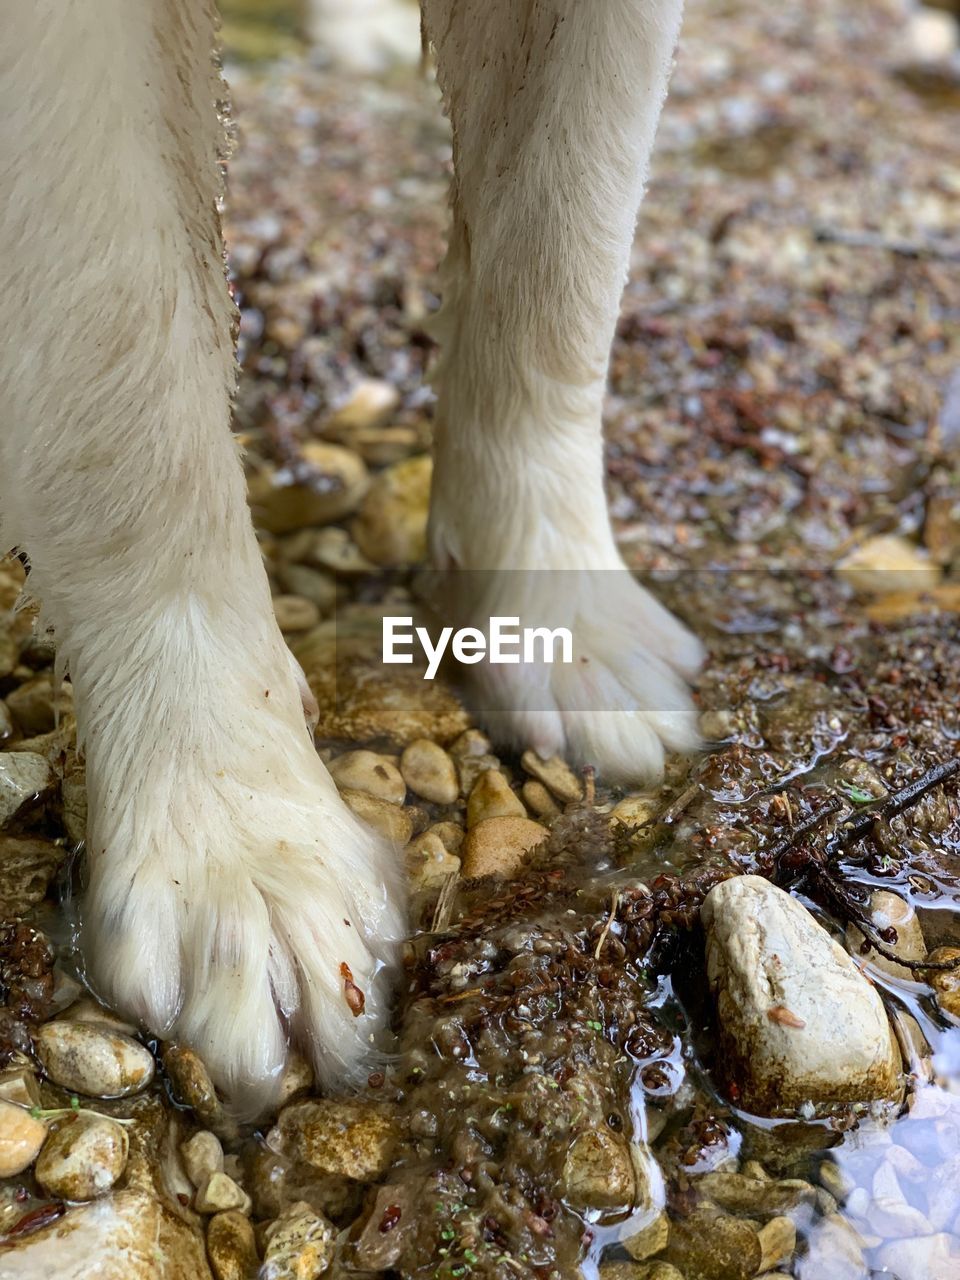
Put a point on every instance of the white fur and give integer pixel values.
(554, 105)
(228, 882)
(365, 35)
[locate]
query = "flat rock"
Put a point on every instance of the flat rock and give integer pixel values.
(429, 772)
(27, 867)
(798, 1022)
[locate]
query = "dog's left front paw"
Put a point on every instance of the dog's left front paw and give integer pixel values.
(235, 903)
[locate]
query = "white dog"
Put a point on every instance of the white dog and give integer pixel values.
(230, 889)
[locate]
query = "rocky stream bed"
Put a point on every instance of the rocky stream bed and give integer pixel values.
(597, 1075)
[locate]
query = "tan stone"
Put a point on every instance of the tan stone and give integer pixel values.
(391, 526)
(887, 910)
(83, 1157)
(429, 772)
(367, 771)
(886, 564)
(598, 1172)
(555, 774)
(231, 1246)
(654, 1237)
(21, 1137)
(492, 797)
(499, 846)
(391, 821)
(428, 861)
(343, 1136)
(295, 613)
(93, 1060)
(340, 480)
(299, 1245)
(538, 799)
(27, 867)
(202, 1156)
(26, 780)
(218, 1193)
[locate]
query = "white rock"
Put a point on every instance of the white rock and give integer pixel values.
(218, 1193)
(798, 1021)
(90, 1059)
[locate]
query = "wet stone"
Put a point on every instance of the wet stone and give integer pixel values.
(231, 1246)
(295, 613)
(429, 772)
(366, 771)
(27, 868)
(21, 1137)
(428, 861)
(202, 1156)
(391, 526)
(390, 820)
(598, 1172)
(88, 1059)
(26, 779)
(492, 797)
(797, 1020)
(555, 774)
(340, 1136)
(83, 1158)
(499, 846)
(335, 483)
(218, 1193)
(298, 1245)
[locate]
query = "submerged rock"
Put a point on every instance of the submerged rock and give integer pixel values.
(21, 1137)
(797, 1020)
(25, 780)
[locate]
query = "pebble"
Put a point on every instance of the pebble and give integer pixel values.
(392, 821)
(631, 1271)
(369, 404)
(598, 1172)
(21, 1137)
(889, 909)
(886, 564)
(299, 1245)
(202, 1156)
(713, 1246)
(499, 846)
(798, 1022)
(192, 1086)
(555, 774)
(83, 1157)
(427, 861)
(73, 795)
(935, 1257)
(450, 834)
(471, 768)
(369, 772)
(218, 1192)
(778, 1240)
(341, 482)
(231, 1246)
(946, 982)
(25, 779)
(333, 549)
(654, 1237)
(538, 799)
(391, 526)
(295, 613)
(634, 811)
(92, 1060)
(343, 1136)
(492, 797)
(314, 586)
(429, 772)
